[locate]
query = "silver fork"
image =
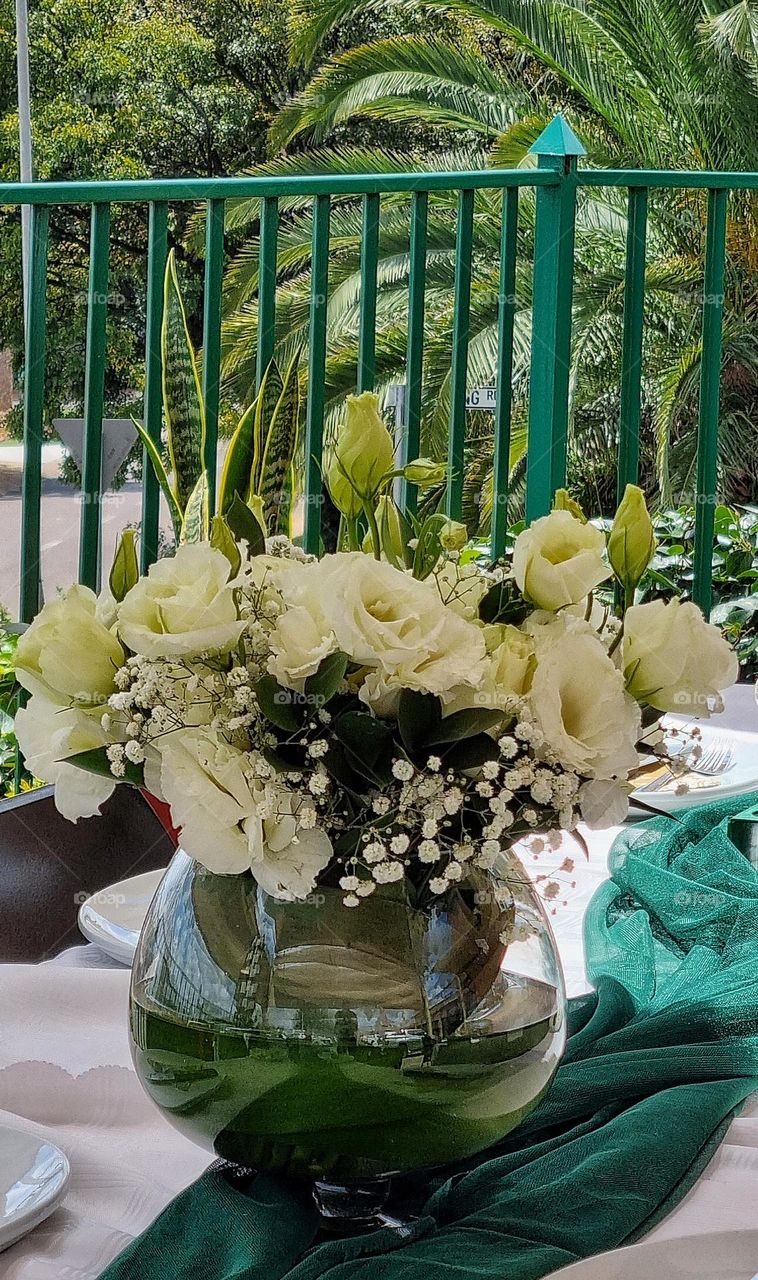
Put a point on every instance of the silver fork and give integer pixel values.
(718, 758)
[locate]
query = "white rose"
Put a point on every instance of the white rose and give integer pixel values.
(67, 655)
(674, 660)
(558, 560)
(284, 857)
(579, 703)
(204, 781)
(184, 606)
(47, 735)
(383, 617)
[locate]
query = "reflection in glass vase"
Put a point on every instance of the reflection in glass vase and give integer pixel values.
(344, 1046)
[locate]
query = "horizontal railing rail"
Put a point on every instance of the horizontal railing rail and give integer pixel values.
(555, 181)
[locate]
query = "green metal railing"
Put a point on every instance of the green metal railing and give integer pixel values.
(555, 180)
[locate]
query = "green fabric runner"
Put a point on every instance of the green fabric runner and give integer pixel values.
(660, 1057)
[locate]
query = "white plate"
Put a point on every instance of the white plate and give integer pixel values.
(114, 917)
(717, 1255)
(741, 778)
(33, 1180)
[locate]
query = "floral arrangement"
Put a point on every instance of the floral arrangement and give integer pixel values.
(395, 711)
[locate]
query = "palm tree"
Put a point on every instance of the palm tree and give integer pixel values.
(650, 84)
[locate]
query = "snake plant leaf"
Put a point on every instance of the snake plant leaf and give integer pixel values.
(265, 406)
(238, 463)
(276, 474)
(125, 568)
(223, 540)
(182, 397)
(96, 761)
(161, 476)
(196, 516)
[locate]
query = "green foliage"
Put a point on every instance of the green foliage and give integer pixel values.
(479, 93)
(10, 700)
(183, 406)
(125, 569)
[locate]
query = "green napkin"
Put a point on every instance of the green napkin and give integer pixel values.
(660, 1057)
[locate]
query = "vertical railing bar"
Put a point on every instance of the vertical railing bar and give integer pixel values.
(34, 399)
(631, 353)
(710, 384)
(552, 297)
(269, 230)
(157, 251)
(367, 320)
(94, 383)
(214, 273)
(506, 313)
(411, 441)
(314, 415)
(459, 365)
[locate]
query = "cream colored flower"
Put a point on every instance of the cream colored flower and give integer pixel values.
(604, 803)
(363, 455)
(204, 781)
(286, 858)
(48, 735)
(558, 560)
(228, 818)
(507, 675)
(579, 702)
(385, 618)
(299, 643)
(184, 606)
(674, 659)
(67, 654)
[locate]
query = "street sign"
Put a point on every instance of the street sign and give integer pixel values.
(481, 398)
(119, 435)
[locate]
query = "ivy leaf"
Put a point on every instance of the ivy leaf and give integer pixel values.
(325, 682)
(96, 761)
(419, 718)
(278, 704)
(244, 526)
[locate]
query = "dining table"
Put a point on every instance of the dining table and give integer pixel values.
(66, 1076)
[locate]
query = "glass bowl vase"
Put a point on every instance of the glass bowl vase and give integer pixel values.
(344, 1045)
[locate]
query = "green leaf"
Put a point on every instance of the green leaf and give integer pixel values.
(278, 704)
(325, 682)
(222, 539)
(265, 406)
(275, 483)
(429, 547)
(419, 718)
(245, 526)
(238, 463)
(364, 737)
(125, 568)
(96, 761)
(161, 476)
(466, 724)
(503, 603)
(471, 753)
(182, 395)
(195, 523)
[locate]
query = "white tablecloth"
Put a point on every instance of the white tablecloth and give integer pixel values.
(65, 1073)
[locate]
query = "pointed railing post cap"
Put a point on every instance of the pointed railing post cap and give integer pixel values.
(557, 139)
